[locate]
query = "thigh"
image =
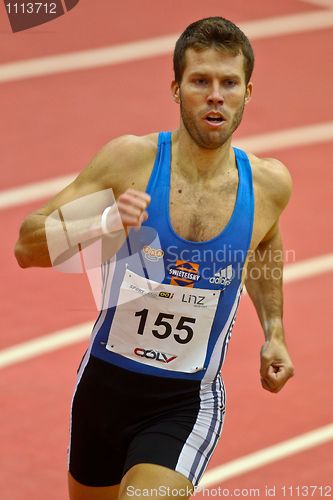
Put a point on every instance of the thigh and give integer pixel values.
(98, 441)
(183, 438)
(78, 491)
(154, 481)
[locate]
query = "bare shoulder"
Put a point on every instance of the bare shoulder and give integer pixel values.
(125, 155)
(120, 164)
(130, 146)
(272, 179)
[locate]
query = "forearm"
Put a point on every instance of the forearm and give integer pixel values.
(266, 293)
(47, 240)
(265, 287)
(39, 235)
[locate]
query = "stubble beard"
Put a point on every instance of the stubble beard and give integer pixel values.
(205, 139)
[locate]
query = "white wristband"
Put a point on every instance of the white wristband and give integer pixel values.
(111, 222)
(104, 226)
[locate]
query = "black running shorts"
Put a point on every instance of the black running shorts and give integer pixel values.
(122, 418)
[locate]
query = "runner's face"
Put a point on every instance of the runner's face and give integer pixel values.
(212, 95)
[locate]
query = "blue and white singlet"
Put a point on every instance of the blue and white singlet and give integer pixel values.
(169, 304)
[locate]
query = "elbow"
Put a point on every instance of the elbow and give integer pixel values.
(26, 256)
(21, 248)
(31, 248)
(21, 256)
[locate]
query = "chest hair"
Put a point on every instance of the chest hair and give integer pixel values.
(200, 211)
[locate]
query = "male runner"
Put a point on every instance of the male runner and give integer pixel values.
(149, 405)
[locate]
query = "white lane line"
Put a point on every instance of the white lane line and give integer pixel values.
(51, 342)
(105, 56)
(44, 344)
(287, 138)
(273, 141)
(308, 268)
(34, 191)
(321, 3)
(267, 455)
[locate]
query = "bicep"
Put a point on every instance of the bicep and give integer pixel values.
(76, 190)
(92, 179)
(104, 175)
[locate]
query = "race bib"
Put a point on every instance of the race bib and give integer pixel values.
(165, 326)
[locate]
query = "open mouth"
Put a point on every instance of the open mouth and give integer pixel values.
(214, 119)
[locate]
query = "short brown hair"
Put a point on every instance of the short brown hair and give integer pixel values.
(213, 32)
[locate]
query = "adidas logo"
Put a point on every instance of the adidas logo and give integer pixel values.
(222, 277)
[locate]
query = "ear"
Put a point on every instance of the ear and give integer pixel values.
(175, 91)
(248, 92)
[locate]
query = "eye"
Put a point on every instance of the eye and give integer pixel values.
(230, 83)
(200, 81)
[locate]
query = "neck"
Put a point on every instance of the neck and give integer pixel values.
(197, 163)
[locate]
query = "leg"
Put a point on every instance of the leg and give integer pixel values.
(170, 456)
(154, 481)
(97, 451)
(78, 491)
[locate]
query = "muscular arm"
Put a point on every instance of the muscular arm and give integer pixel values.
(112, 169)
(264, 284)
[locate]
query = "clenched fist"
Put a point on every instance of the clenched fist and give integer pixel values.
(132, 206)
(276, 367)
(128, 211)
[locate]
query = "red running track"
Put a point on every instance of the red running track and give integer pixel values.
(52, 125)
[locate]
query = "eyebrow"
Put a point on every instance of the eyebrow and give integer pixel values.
(206, 74)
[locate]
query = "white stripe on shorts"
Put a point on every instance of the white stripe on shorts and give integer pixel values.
(205, 434)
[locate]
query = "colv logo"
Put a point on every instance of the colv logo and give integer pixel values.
(163, 357)
(223, 276)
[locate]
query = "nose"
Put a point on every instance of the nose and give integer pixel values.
(215, 96)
